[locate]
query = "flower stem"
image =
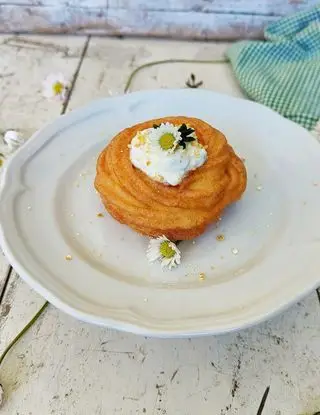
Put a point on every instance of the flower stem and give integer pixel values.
(164, 61)
(23, 331)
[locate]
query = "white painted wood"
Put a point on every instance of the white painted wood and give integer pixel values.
(53, 19)
(66, 367)
(202, 19)
(259, 7)
(109, 63)
(24, 63)
(62, 3)
(262, 7)
(182, 24)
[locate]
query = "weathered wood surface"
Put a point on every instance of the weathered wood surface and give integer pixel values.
(24, 63)
(109, 62)
(201, 19)
(66, 367)
(3, 272)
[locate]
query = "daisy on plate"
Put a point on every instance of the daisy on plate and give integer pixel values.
(13, 139)
(56, 86)
(163, 249)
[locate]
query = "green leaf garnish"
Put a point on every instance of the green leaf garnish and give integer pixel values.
(192, 83)
(185, 135)
(188, 139)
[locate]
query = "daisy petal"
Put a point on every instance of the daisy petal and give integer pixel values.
(13, 139)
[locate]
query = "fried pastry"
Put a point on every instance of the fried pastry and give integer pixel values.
(170, 176)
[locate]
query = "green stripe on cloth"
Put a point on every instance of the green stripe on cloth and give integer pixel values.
(283, 72)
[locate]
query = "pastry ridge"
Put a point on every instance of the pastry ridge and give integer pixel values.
(179, 212)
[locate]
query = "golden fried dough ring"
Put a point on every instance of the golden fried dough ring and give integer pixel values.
(178, 212)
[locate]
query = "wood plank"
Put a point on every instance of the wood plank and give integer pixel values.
(53, 19)
(63, 3)
(195, 19)
(82, 369)
(24, 63)
(259, 7)
(188, 25)
(114, 22)
(109, 63)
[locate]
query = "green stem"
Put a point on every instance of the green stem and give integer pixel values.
(23, 331)
(164, 61)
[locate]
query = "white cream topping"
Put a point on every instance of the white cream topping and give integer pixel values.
(165, 166)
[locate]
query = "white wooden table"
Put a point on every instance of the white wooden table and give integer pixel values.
(63, 366)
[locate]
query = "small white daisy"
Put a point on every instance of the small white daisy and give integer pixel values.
(163, 249)
(13, 139)
(56, 86)
(166, 137)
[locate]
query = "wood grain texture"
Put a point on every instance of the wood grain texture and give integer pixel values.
(82, 369)
(187, 19)
(4, 268)
(258, 7)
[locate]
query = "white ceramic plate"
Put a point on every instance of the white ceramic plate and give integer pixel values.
(49, 210)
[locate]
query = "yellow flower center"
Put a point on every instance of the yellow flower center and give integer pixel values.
(166, 141)
(140, 140)
(57, 88)
(166, 250)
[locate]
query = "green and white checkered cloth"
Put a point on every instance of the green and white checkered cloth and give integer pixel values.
(284, 71)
